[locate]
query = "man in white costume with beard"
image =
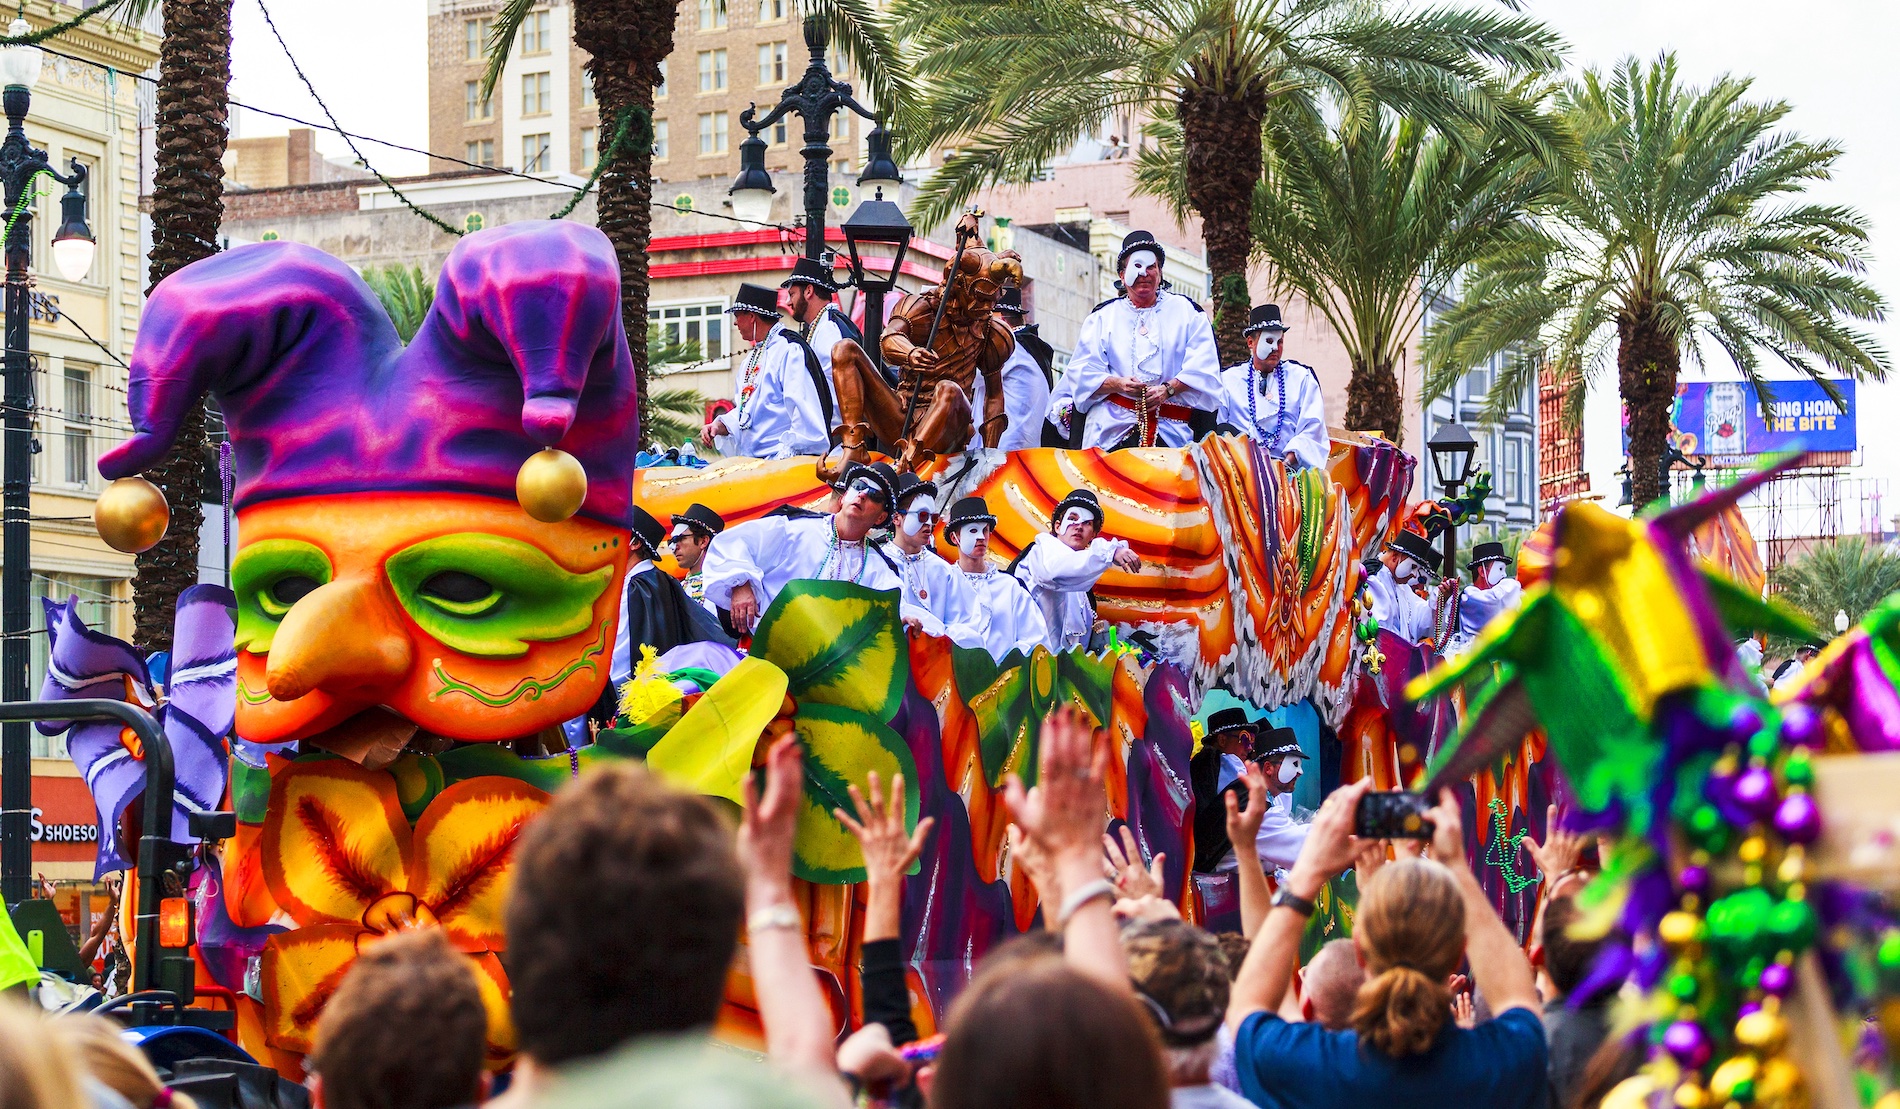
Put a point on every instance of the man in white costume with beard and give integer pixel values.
(1145, 369)
(1012, 621)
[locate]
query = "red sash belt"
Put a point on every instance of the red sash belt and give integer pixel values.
(1146, 417)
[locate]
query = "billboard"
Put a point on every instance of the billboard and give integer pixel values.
(1724, 419)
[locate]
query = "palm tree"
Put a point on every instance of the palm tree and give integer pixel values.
(1371, 224)
(626, 41)
(1680, 227)
(405, 293)
(1012, 84)
(1848, 574)
(678, 414)
(194, 95)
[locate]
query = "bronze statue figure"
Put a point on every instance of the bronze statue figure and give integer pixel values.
(938, 345)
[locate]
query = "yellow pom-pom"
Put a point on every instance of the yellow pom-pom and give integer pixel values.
(1679, 929)
(551, 485)
(1762, 1030)
(131, 515)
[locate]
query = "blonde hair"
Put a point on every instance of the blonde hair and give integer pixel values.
(115, 1063)
(1411, 931)
(37, 1070)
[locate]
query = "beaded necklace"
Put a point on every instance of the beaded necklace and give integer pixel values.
(910, 561)
(1279, 421)
(834, 552)
(749, 377)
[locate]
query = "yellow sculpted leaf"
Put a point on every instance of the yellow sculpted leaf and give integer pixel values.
(499, 1051)
(334, 840)
(465, 845)
(710, 750)
(299, 971)
(838, 643)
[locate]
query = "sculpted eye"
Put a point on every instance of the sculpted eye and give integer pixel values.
(288, 591)
(491, 596)
(460, 593)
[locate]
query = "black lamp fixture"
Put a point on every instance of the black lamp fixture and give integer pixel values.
(880, 169)
(878, 221)
(1454, 453)
(752, 190)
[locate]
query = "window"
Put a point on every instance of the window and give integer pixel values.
(1513, 469)
(96, 607)
(659, 90)
(478, 105)
(781, 131)
(78, 410)
(771, 63)
(660, 143)
(703, 324)
(475, 39)
(771, 11)
(712, 133)
(589, 136)
(842, 165)
(712, 15)
(481, 153)
(587, 89)
(841, 125)
(712, 71)
(537, 94)
(536, 153)
(535, 37)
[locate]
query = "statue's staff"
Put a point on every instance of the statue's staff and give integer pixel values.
(936, 321)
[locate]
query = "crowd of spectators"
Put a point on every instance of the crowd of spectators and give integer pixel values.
(634, 902)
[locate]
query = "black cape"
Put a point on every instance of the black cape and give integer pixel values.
(659, 614)
(1210, 808)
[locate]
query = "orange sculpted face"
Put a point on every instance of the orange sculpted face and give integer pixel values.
(456, 613)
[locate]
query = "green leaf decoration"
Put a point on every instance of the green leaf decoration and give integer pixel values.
(636, 740)
(1744, 612)
(841, 748)
(250, 791)
(1013, 698)
(418, 780)
(496, 760)
(838, 644)
(710, 750)
(1088, 680)
(1313, 485)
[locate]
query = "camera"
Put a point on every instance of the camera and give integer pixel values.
(1395, 814)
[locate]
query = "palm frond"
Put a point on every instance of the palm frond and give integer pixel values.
(405, 293)
(1848, 574)
(502, 33)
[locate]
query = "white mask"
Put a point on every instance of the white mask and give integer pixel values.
(1266, 343)
(1404, 570)
(1139, 263)
(1075, 518)
(969, 537)
(1289, 769)
(913, 521)
(1489, 574)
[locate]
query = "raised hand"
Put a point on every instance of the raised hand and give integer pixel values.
(889, 850)
(770, 821)
(1330, 845)
(1559, 853)
(1243, 825)
(1448, 835)
(1065, 813)
(1133, 881)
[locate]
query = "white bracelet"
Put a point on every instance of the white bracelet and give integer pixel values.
(781, 915)
(1072, 904)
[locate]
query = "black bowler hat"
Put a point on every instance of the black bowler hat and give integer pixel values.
(1139, 240)
(1487, 552)
(1278, 744)
(1081, 498)
(910, 486)
(1229, 720)
(969, 510)
(756, 299)
(878, 473)
(1264, 317)
(1419, 548)
(700, 518)
(810, 271)
(1010, 300)
(647, 530)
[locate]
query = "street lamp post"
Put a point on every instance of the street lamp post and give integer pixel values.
(73, 248)
(816, 98)
(1454, 452)
(879, 221)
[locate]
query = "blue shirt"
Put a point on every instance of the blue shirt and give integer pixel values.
(1500, 1064)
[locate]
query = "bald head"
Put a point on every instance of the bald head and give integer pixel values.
(1331, 983)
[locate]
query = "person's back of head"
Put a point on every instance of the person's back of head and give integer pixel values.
(624, 916)
(1410, 930)
(1567, 959)
(1331, 985)
(406, 1029)
(115, 1064)
(1038, 1034)
(1180, 974)
(37, 1068)
(1235, 947)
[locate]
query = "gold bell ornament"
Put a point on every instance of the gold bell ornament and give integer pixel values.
(551, 485)
(131, 515)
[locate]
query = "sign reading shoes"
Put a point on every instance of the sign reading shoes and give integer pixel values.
(62, 833)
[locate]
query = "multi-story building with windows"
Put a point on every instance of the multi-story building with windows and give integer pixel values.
(1507, 448)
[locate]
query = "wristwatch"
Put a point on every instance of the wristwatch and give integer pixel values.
(1287, 899)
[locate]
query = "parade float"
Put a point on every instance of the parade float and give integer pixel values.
(432, 544)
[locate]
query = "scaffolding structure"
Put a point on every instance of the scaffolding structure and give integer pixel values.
(1804, 508)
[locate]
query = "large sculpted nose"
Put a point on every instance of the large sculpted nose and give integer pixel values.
(340, 637)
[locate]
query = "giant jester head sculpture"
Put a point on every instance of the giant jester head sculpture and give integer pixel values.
(389, 584)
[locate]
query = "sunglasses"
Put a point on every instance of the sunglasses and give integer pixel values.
(868, 488)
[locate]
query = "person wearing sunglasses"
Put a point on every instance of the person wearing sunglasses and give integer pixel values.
(931, 585)
(655, 610)
(748, 564)
(692, 534)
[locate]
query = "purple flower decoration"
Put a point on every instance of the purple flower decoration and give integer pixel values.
(196, 715)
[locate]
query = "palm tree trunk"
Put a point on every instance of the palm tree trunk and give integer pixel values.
(194, 90)
(1373, 402)
(626, 40)
(1647, 361)
(1222, 150)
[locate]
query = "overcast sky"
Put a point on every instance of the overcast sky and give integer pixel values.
(1831, 59)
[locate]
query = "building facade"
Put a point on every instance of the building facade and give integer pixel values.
(88, 107)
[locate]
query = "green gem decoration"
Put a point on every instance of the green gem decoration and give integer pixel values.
(1683, 986)
(1793, 924)
(1798, 770)
(1888, 953)
(1764, 743)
